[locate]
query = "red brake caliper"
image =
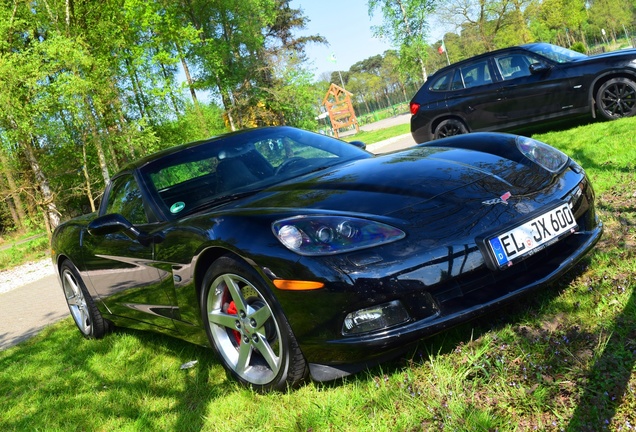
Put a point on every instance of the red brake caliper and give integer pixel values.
(231, 310)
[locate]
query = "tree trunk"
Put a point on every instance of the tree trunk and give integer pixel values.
(173, 98)
(227, 103)
(423, 67)
(13, 192)
(195, 101)
(51, 215)
(139, 97)
(97, 141)
(186, 71)
(14, 215)
(388, 99)
(403, 88)
(89, 192)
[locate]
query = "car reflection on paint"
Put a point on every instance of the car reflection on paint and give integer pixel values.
(293, 254)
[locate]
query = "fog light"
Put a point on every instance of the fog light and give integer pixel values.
(375, 318)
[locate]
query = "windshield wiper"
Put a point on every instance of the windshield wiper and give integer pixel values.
(224, 199)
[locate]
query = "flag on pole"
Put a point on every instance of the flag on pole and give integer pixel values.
(442, 49)
(332, 58)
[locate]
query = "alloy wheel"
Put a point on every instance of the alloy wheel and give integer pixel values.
(76, 302)
(244, 329)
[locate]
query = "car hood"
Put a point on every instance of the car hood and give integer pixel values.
(426, 179)
(625, 53)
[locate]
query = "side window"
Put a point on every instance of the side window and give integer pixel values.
(125, 199)
(476, 74)
(472, 75)
(441, 83)
(514, 66)
(458, 81)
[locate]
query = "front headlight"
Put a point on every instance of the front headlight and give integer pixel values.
(542, 154)
(328, 235)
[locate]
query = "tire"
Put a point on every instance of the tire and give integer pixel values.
(450, 127)
(616, 98)
(87, 317)
(247, 328)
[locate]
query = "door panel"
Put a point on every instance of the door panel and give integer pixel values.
(123, 275)
(121, 269)
(474, 95)
(528, 96)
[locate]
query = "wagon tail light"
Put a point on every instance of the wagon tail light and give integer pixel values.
(329, 235)
(415, 107)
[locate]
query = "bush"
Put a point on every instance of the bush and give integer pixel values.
(579, 47)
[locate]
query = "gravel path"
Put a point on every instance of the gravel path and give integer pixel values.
(24, 274)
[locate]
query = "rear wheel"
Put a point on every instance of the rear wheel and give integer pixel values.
(247, 328)
(87, 317)
(450, 127)
(616, 98)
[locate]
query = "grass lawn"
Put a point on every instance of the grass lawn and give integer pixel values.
(18, 249)
(371, 137)
(563, 359)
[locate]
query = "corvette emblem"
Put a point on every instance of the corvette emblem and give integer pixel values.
(501, 200)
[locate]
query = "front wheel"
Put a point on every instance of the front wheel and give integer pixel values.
(616, 98)
(450, 127)
(247, 328)
(87, 317)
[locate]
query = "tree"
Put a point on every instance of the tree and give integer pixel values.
(565, 17)
(88, 86)
(488, 24)
(611, 15)
(405, 25)
(394, 73)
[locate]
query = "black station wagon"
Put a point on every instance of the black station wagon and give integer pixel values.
(518, 86)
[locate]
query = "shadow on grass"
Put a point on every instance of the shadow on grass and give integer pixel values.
(606, 386)
(129, 380)
(556, 126)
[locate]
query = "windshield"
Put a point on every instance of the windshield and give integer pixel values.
(238, 164)
(555, 53)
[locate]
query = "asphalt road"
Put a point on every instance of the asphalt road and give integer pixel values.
(26, 310)
(391, 144)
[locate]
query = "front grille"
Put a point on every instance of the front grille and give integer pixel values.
(484, 286)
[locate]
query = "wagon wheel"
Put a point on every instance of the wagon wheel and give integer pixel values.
(616, 98)
(450, 127)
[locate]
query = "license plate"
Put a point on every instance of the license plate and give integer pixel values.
(533, 235)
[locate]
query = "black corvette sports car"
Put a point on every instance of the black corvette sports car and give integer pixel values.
(292, 253)
(515, 87)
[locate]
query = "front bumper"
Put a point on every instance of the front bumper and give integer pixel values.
(457, 301)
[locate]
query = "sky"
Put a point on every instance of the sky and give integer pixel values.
(346, 26)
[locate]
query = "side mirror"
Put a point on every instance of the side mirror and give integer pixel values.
(358, 144)
(539, 68)
(112, 223)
